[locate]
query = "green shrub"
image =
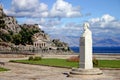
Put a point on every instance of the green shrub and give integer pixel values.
(95, 62)
(12, 61)
(37, 58)
(30, 58)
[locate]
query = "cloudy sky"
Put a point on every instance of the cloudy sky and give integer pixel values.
(64, 18)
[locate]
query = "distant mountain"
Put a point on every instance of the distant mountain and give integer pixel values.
(73, 41)
(107, 42)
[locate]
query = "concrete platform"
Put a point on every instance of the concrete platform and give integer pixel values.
(80, 71)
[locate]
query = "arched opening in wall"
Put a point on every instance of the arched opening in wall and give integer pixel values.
(44, 44)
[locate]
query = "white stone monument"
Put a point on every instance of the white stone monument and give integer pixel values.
(86, 64)
(86, 48)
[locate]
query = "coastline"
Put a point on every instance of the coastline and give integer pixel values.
(99, 50)
(107, 56)
(99, 56)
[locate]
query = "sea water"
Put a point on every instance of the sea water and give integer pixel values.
(101, 50)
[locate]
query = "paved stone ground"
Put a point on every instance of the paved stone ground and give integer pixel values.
(34, 72)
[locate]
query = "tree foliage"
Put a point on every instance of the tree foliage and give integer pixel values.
(2, 23)
(27, 35)
(5, 37)
(23, 37)
(58, 43)
(16, 39)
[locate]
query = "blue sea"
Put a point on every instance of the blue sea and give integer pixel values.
(101, 50)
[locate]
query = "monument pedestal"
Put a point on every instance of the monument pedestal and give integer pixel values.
(81, 71)
(86, 64)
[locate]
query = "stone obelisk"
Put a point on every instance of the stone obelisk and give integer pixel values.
(86, 64)
(86, 48)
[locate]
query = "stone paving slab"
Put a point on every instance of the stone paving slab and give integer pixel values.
(35, 72)
(20, 71)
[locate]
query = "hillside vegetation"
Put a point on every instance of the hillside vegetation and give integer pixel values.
(12, 33)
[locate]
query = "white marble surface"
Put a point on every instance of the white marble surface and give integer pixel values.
(86, 48)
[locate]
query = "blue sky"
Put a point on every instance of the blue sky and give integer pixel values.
(64, 18)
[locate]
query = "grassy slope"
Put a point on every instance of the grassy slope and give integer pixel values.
(64, 63)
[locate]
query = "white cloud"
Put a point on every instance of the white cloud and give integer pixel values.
(42, 7)
(105, 25)
(64, 9)
(40, 21)
(105, 21)
(24, 5)
(31, 21)
(27, 8)
(34, 8)
(107, 18)
(54, 27)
